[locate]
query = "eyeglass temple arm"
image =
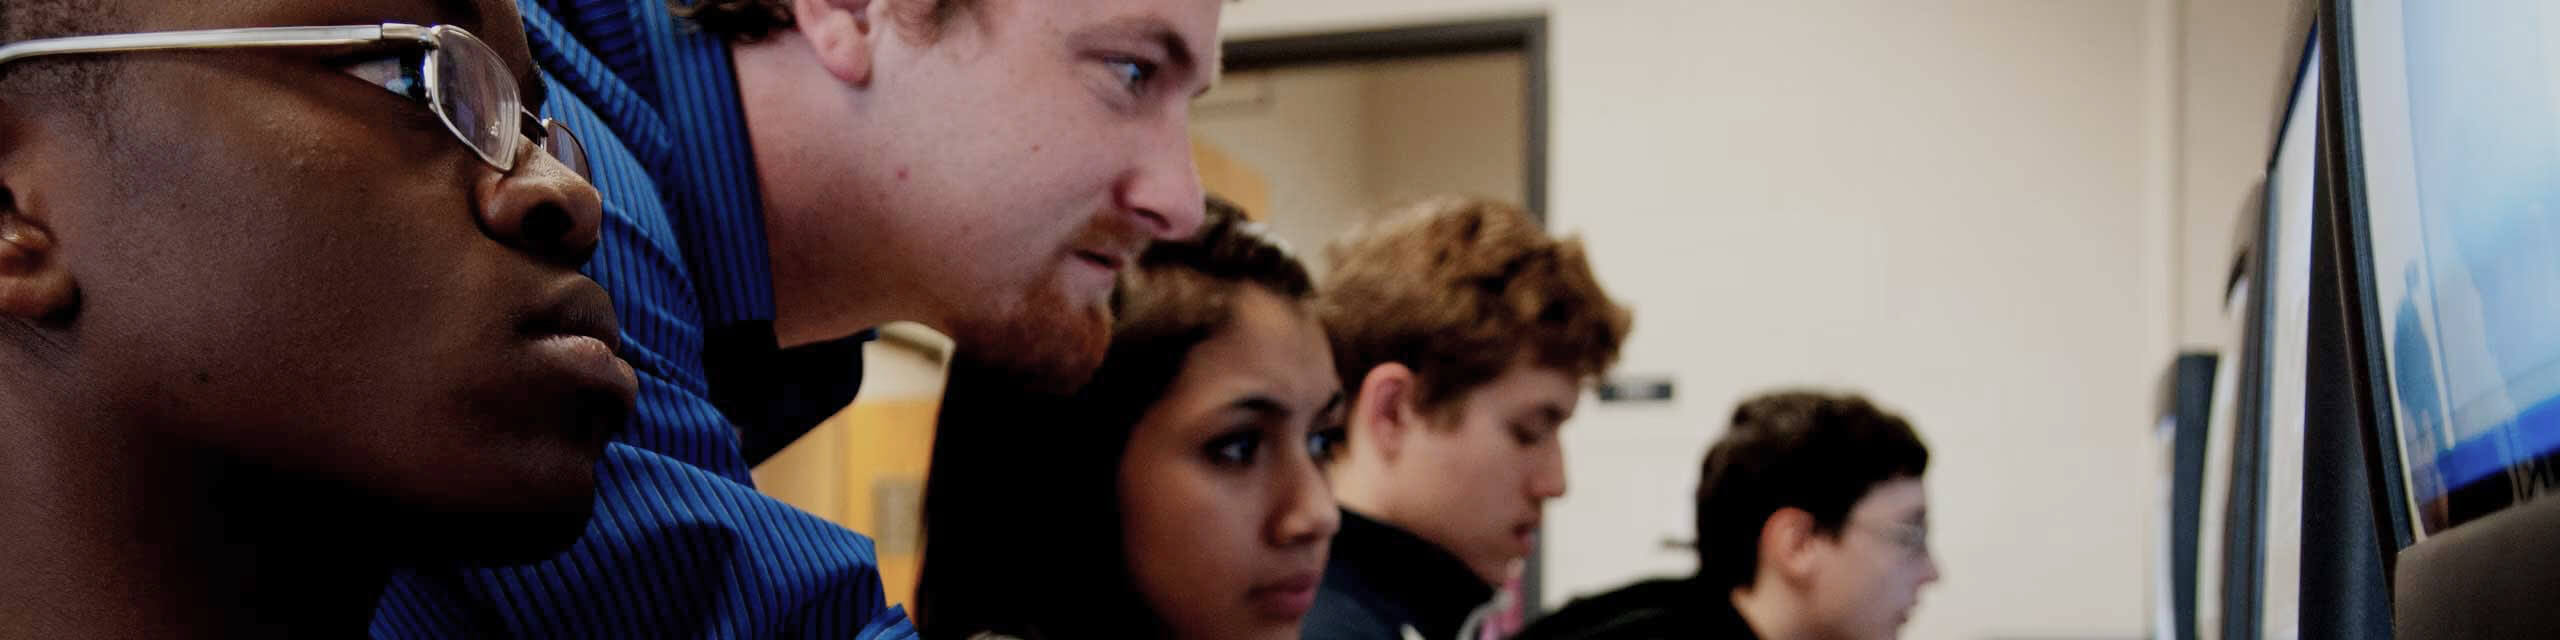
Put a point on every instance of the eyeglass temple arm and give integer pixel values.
(214, 39)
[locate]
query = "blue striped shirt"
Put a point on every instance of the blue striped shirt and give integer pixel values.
(682, 545)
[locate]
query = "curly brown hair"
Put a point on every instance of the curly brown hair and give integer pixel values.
(752, 20)
(1458, 290)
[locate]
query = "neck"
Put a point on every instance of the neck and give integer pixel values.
(816, 302)
(1356, 485)
(833, 275)
(113, 536)
(1772, 611)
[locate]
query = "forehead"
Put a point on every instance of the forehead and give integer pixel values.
(1526, 386)
(1897, 498)
(494, 21)
(479, 16)
(1269, 344)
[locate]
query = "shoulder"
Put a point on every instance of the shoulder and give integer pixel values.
(1641, 611)
(1348, 614)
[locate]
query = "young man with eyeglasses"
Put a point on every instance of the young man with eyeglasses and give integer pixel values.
(1812, 525)
(290, 297)
(782, 175)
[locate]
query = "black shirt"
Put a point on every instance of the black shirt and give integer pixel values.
(1661, 609)
(1381, 580)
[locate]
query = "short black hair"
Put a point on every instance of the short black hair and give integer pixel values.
(56, 77)
(1021, 510)
(1817, 451)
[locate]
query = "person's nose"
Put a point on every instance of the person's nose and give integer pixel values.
(1307, 512)
(543, 209)
(1163, 188)
(1547, 481)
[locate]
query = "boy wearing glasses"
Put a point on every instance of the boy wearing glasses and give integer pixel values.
(290, 297)
(1811, 525)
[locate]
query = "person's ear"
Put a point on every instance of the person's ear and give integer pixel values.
(34, 282)
(1385, 410)
(1789, 545)
(843, 34)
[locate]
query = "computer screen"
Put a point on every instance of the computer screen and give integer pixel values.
(2459, 127)
(2288, 252)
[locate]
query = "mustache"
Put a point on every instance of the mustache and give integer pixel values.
(1117, 235)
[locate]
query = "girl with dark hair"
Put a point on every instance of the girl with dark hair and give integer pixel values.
(1177, 495)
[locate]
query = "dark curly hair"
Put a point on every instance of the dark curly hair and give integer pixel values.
(73, 81)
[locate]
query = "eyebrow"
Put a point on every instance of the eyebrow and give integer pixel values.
(1551, 414)
(460, 11)
(1179, 52)
(1260, 405)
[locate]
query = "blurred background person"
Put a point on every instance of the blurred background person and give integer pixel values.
(1465, 334)
(2010, 217)
(1177, 496)
(1812, 525)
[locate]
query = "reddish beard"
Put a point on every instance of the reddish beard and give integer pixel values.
(1053, 339)
(1049, 344)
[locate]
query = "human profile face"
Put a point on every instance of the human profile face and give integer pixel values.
(323, 283)
(1030, 150)
(1225, 516)
(1867, 578)
(1475, 481)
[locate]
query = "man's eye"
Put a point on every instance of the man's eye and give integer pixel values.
(1528, 436)
(1135, 75)
(396, 72)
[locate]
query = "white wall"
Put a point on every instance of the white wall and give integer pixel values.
(1957, 206)
(1340, 143)
(2238, 59)
(1288, 125)
(1447, 125)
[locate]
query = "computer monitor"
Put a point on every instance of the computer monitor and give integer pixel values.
(2289, 203)
(2444, 161)
(2461, 138)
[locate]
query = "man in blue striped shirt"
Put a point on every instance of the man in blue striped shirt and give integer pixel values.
(779, 176)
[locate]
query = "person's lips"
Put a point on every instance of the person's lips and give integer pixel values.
(1096, 271)
(1107, 260)
(1288, 597)
(575, 335)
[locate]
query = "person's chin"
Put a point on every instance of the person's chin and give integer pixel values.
(513, 514)
(1274, 630)
(510, 535)
(1052, 347)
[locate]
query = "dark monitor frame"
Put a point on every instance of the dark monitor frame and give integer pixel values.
(2186, 403)
(2243, 548)
(2355, 519)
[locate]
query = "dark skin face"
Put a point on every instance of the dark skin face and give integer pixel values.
(307, 284)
